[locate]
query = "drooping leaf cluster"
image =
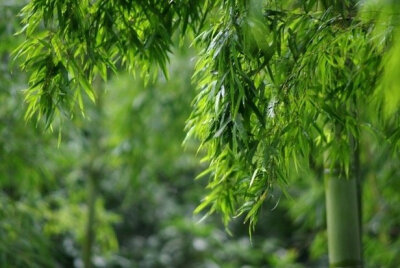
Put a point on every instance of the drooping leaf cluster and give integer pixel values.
(387, 20)
(280, 82)
(69, 42)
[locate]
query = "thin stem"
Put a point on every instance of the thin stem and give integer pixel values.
(90, 234)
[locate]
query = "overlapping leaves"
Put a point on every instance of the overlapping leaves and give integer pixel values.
(278, 81)
(69, 42)
(276, 86)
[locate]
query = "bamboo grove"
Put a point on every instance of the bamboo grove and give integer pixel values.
(281, 86)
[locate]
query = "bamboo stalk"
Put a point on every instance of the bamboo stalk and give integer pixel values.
(343, 223)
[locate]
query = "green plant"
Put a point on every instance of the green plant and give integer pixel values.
(279, 84)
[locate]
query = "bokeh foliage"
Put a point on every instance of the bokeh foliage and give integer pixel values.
(286, 107)
(277, 81)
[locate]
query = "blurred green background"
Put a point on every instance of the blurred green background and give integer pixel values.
(126, 156)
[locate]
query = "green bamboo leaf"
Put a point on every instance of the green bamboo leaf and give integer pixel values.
(88, 89)
(253, 177)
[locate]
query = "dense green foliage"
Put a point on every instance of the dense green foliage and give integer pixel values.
(286, 92)
(68, 43)
(299, 73)
(145, 193)
(297, 95)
